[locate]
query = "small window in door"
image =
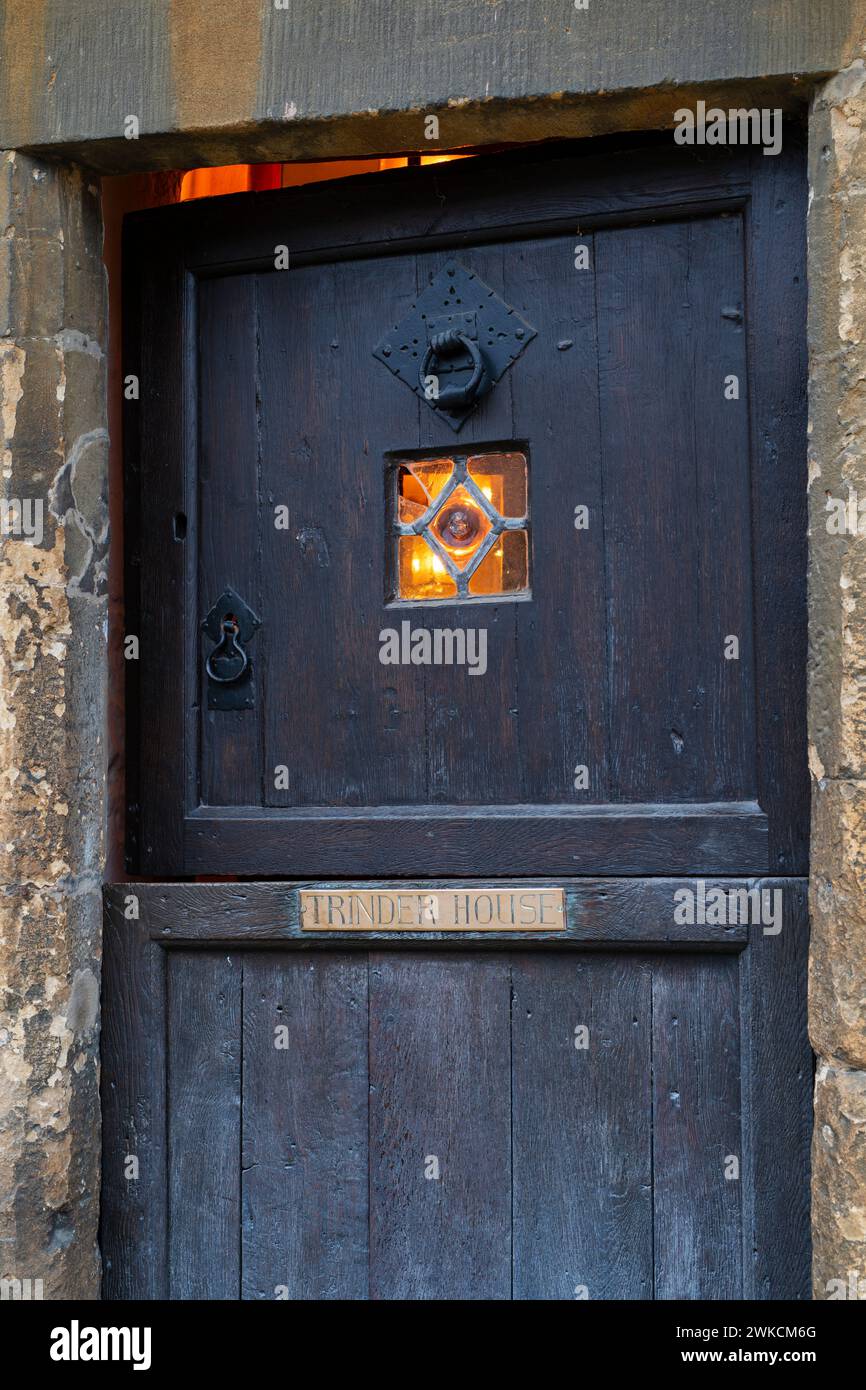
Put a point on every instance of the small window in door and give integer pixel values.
(461, 526)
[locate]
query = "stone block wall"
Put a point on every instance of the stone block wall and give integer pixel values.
(837, 678)
(53, 556)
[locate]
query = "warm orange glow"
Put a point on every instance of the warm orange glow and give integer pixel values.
(506, 474)
(229, 178)
(248, 178)
(422, 574)
(461, 526)
(506, 569)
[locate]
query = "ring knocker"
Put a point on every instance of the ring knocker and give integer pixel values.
(228, 651)
(445, 344)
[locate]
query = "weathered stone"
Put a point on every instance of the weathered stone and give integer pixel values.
(839, 1183)
(837, 429)
(216, 81)
(837, 677)
(837, 965)
(52, 659)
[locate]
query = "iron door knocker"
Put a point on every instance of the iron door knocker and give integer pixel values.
(444, 344)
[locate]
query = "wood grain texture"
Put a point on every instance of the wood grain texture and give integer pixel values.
(228, 525)
(134, 1211)
(346, 727)
(582, 1128)
(203, 1038)
(304, 1160)
(696, 1129)
(471, 724)
(552, 1159)
(560, 188)
(562, 637)
(676, 520)
(156, 344)
(777, 1073)
(304, 1169)
(577, 676)
(440, 1060)
(776, 274)
(627, 912)
(348, 731)
(635, 839)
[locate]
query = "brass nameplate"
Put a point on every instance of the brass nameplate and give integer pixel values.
(433, 909)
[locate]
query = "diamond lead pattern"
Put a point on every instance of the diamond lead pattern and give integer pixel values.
(451, 528)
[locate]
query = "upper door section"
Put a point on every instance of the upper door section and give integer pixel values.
(466, 521)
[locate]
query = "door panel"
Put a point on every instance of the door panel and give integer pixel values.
(671, 520)
(602, 1170)
(617, 661)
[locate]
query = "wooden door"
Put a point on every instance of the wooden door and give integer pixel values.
(633, 467)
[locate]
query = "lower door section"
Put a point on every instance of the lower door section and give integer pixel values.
(448, 1123)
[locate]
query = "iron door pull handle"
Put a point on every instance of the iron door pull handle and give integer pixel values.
(228, 649)
(453, 397)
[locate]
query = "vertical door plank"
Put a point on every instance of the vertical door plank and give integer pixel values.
(677, 527)
(157, 429)
(777, 1101)
(582, 1128)
(562, 638)
(472, 721)
(204, 1065)
(723, 524)
(228, 523)
(305, 1126)
(440, 1089)
(696, 1128)
(133, 1210)
(778, 366)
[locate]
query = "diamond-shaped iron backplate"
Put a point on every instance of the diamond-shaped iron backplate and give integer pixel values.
(457, 298)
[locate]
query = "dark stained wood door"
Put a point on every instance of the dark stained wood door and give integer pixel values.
(616, 1110)
(615, 728)
(429, 1127)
